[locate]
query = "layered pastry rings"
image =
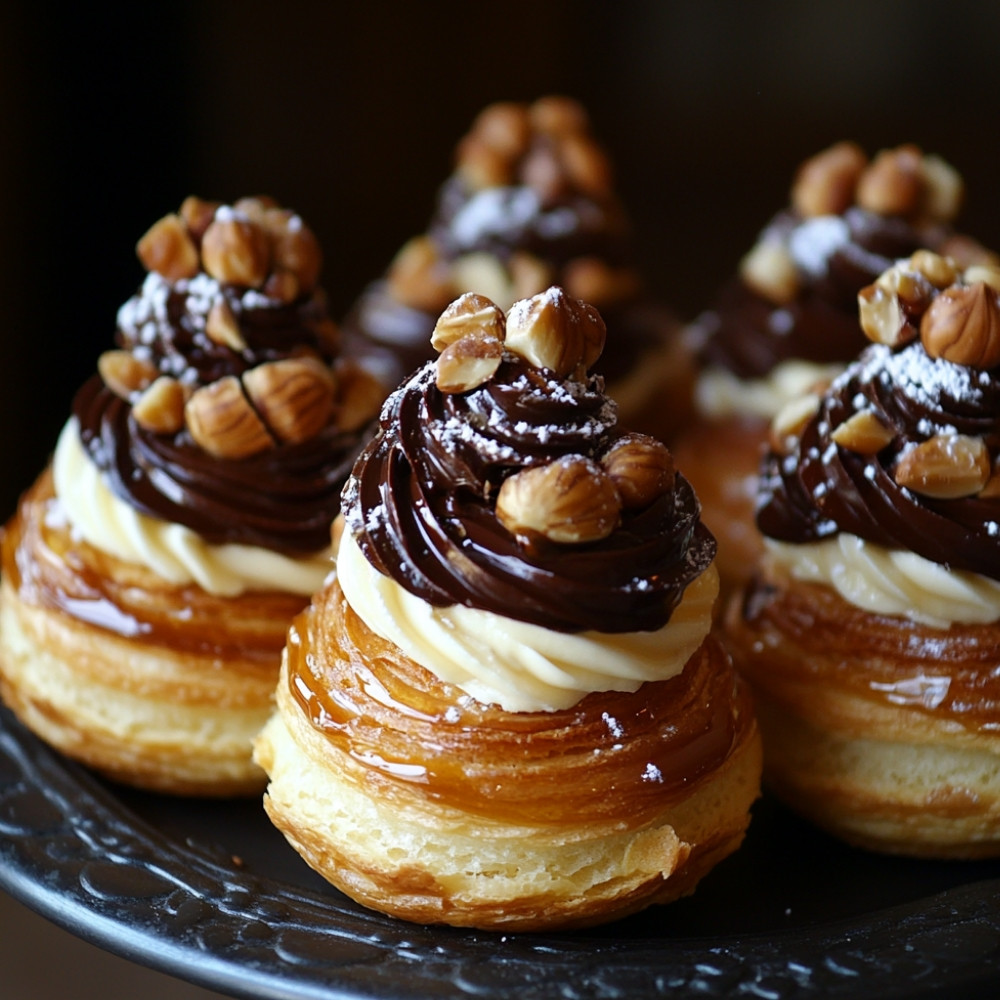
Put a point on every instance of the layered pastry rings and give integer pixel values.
(872, 633)
(150, 573)
(788, 318)
(505, 710)
(531, 203)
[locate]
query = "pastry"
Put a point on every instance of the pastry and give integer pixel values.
(789, 317)
(531, 203)
(150, 573)
(504, 710)
(871, 634)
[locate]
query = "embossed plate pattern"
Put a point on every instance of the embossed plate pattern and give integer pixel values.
(209, 892)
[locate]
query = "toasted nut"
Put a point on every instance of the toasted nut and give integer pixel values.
(594, 281)
(469, 313)
(529, 275)
(552, 330)
(167, 249)
(482, 165)
(469, 362)
(770, 271)
(911, 286)
(585, 163)
(221, 420)
(825, 183)
(236, 250)
(293, 396)
(504, 127)
(641, 468)
(124, 374)
(294, 247)
(988, 274)
(963, 325)
(943, 189)
(883, 318)
(222, 328)
(359, 397)
(483, 273)
(570, 500)
(160, 408)
(544, 174)
(419, 278)
(558, 115)
(863, 432)
(938, 270)
(945, 467)
(255, 207)
(197, 215)
(791, 420)
(893, 184)
(967, 252)
(282, 285)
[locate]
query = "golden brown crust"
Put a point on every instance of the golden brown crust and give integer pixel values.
(879, 729)
(395, 835)
(155, 685)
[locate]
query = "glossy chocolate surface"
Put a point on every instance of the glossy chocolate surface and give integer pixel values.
(421, 504)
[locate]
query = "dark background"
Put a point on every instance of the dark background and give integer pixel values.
(350, 114)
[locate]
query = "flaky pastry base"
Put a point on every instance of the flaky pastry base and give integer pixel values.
(153, 685)
(880, 730)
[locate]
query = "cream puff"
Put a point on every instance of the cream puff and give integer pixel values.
(871, 634)
(531, 203)
(149, 575)
(788, 319)
(505, 709)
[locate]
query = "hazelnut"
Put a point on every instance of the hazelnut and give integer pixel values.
(988, 274)
(558, 115)
(570, 501)
(825, 183)
(481, 165)
(483, 273)
(282, 285)
(221, 420)
(504, 127)
(467, 363)
(529, 275)
(469, 313)
(236, 251)
(943, 189)
(419, 278)
(552, 330)
(255, 207)
(594, 281)
(962, 325)
(585, 164)
(167, 249)
(863, 432)
(791, 420)
(160, 408)
(197, 215)
(909, 284)
(359, 396)
(293, 396)
(641, 468)
(945, 467)
(938, 270)
(294, 247)
(124, 374)
(893, 183)
(883, 319)
(966, 252)
(770, 271)
(221, 326)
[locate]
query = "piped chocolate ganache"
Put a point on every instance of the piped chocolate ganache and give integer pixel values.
(849, 220)
(226, 406)
(491, 459)
(900, 450)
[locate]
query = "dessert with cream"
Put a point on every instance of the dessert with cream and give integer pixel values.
(505, 709)
(789, 317)
(872, 633)
(531, 203)
(150, 573)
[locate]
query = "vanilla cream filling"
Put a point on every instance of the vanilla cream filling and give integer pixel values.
(720, 393)
(173, 552)
(891, 581)
(517, 665)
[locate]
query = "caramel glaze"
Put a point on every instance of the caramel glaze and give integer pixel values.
(805, 634)
(611, 758)
(49, 568)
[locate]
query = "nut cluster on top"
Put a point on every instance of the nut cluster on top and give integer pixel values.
(547, 148)
(576, 498)
(902, 182)
(254, 246)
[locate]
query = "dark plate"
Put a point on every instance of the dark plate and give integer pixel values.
(210, 892)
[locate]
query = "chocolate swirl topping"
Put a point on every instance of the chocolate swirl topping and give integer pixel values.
(822, 488)
(421, 505)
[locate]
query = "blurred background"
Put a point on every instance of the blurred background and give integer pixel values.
(350, 113)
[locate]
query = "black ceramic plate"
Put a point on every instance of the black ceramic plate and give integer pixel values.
(210, 892)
